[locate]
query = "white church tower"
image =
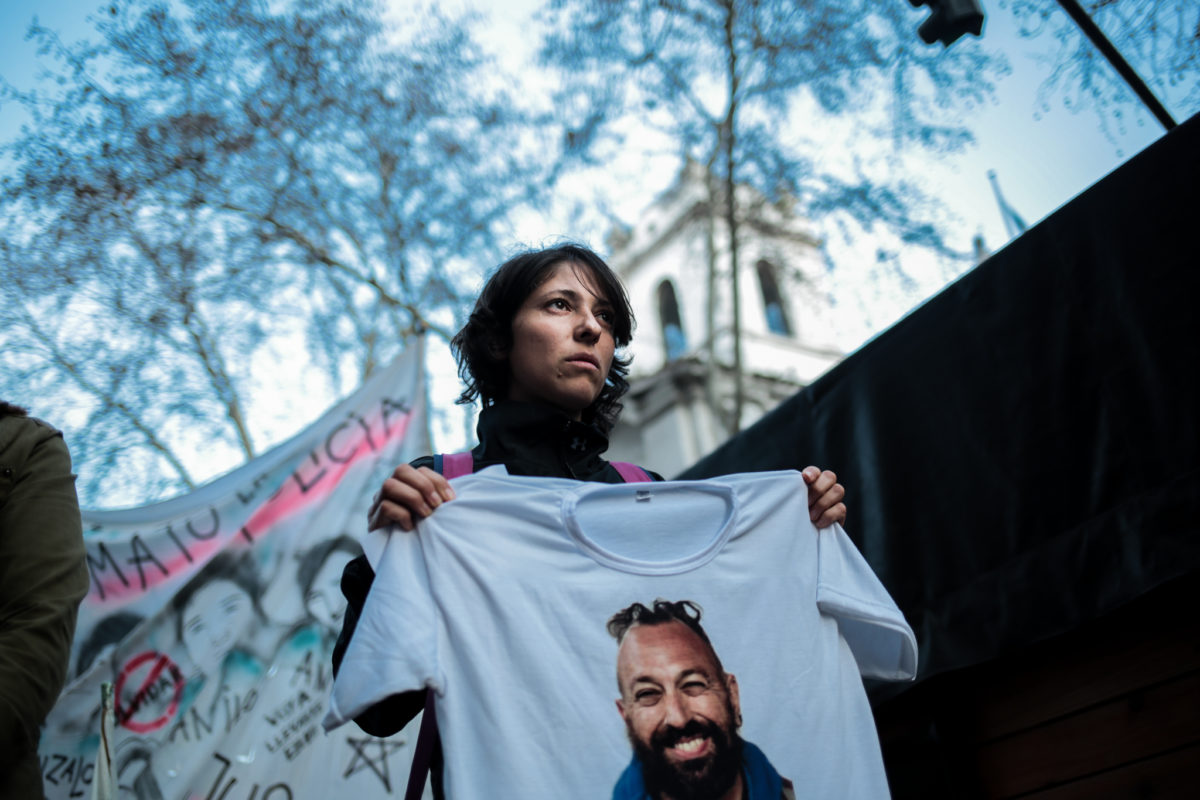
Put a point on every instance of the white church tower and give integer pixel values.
(683, 393)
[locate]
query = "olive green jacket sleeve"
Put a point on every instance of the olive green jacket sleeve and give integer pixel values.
(43, 577)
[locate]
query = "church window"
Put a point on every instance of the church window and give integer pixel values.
(674, 340)
(777, 318)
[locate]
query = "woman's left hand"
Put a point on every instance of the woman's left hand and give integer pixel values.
(825, 496)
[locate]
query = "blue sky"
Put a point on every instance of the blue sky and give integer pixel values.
(1041, 159)
(1041, 162)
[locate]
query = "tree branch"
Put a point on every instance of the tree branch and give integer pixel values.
(322, 256)
(109, 399)
(205, 349)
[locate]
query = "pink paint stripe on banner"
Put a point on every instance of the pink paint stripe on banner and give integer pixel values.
(289, 500)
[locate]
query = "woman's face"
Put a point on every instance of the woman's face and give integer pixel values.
(562, 342)
(325, 600)
(214, 618)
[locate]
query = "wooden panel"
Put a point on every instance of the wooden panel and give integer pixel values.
(1043, 695)
(1173, 776)
(1096, 702)
(1150, 641)
(1139, 725)
(1145, 644)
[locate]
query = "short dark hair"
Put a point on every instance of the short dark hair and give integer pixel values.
(488, 332)
(224, 566)
(686, 611)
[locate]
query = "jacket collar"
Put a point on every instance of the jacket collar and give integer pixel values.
(537, 439)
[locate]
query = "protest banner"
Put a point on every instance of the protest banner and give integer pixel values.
(214, 615)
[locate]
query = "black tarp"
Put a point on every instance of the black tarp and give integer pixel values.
(1021, 452)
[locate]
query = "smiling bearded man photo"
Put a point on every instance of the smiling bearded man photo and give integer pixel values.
(682, 713)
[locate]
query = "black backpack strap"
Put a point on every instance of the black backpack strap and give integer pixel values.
(428, 742)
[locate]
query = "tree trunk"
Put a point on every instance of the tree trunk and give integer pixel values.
(712, 367)
(731, 222)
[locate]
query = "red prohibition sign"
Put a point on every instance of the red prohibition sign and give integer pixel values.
(161, 662)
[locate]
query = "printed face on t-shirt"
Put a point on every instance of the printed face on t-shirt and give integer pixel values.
(680, 710)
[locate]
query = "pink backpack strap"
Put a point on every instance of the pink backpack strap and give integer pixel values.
(631, 473)
(455, 465)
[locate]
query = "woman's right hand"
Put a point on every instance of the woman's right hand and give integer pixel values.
(410, 495)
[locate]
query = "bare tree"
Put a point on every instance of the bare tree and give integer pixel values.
(218, 179)
(1159, 38)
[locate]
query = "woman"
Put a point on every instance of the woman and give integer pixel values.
(539, 350)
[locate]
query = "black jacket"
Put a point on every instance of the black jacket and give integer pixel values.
(528, 439)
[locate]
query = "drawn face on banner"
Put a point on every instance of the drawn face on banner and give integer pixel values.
(216, 616)
(681, 711)
(324, 599)
(320, 579)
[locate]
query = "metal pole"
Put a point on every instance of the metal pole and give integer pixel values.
(1118, 61)
(104, 779)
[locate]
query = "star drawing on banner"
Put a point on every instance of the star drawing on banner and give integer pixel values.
(378, 763)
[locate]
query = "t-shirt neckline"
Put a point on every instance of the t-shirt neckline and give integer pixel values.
(614, 560)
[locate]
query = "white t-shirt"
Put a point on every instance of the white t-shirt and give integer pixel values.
(500, 602)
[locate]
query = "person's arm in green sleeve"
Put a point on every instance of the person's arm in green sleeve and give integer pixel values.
(43, 577)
